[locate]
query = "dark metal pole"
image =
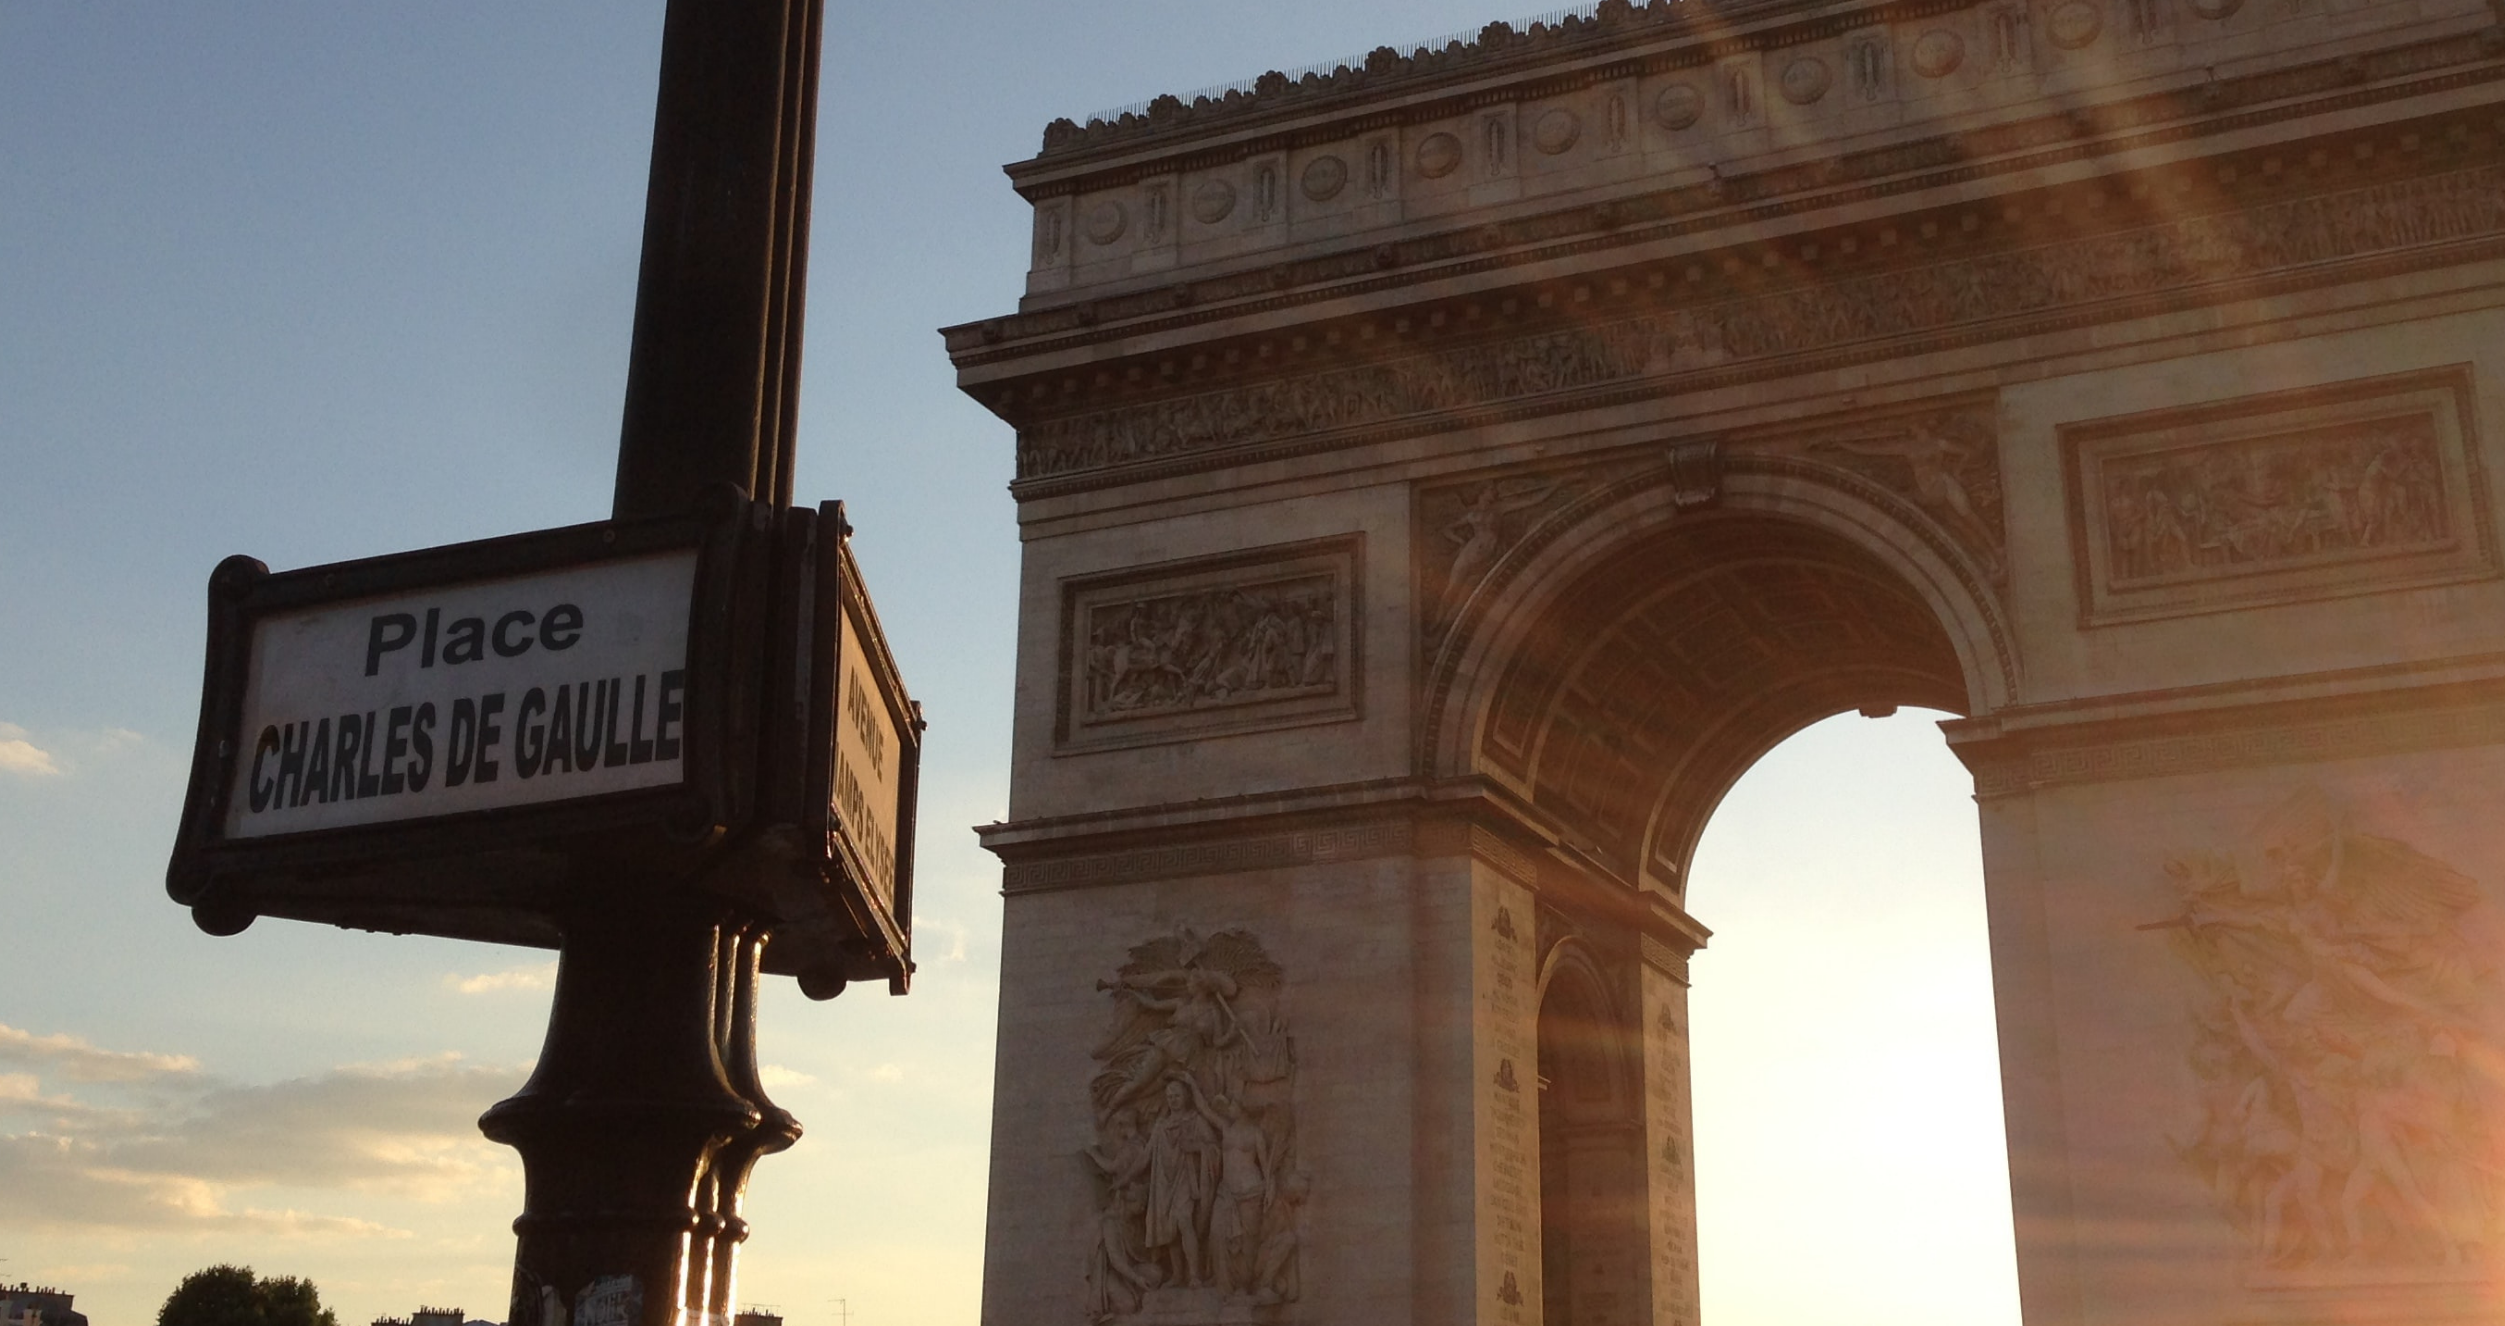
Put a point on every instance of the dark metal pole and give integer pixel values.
(645, 1115)
(715, 365)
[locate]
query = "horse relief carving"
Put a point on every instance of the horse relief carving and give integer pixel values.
(1228, 644)
(1194, 1162)
(2340, 1045)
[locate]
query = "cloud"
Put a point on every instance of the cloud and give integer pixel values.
(542, 976)
(20, 756)
(186, 1150)
(81, 1062)
(957, 933)
(887, 1073)
(774, 1076)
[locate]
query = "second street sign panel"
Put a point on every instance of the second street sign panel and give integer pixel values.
(536, 688)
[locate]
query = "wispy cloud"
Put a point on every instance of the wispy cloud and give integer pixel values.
(887, 1073)
(23, 757)
(79, 1061)
(169, 1147)
(541, 976)
(776, 1076)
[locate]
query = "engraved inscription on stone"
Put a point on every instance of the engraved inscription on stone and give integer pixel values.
(1511, 1141)
(1250, 640)
(2338, 1047)
(1194, 1164)
(2276, 498)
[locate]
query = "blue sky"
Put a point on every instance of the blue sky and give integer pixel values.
(319, 281)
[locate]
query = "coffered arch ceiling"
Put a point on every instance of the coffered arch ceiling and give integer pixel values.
(1649, 684)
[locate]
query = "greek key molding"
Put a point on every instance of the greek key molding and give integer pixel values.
(1405, 834)
(2437, 218)
(2013, 766)
(1275, 850)
(1662, 958)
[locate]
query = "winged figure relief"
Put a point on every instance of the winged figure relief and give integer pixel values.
(2342, 1042)
(1477, 537)
(1947, 466)
(1194, 1160)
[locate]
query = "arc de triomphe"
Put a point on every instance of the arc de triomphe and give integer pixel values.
(1441, 476)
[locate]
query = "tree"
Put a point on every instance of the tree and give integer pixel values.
(234, 1296)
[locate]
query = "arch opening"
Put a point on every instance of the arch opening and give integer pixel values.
(1629, 704)
(1647, 686)
(1851, 1161)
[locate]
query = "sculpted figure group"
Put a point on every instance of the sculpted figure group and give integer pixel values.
(1178, 651)
(2364, 488)
(2344, 1069)
(1195, 1150)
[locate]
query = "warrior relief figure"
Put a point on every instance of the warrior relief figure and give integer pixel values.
(1195, 1129)
(2346, 985)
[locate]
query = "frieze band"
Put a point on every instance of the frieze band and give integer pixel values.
(2422, 215)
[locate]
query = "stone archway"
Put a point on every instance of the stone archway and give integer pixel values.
(1441, 478)
(1594, 1228)
(1637, 694)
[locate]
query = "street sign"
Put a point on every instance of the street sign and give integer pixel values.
(435, 741)
(848, 761)
(865, 746)
(559, 685)
(465, 740)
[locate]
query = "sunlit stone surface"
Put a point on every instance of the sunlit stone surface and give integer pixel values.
(1441, 478)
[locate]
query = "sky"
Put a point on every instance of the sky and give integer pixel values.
(314, 281)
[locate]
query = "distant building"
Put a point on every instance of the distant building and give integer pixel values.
(428, 1317)
(758, 1315)
(23, 1304)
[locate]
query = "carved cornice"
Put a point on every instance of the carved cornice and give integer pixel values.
(2014, 763)
(1369, 822)
(1231, 854)
(2028, 144)
(2398, 225)
(1708, 29)
(1663, 958)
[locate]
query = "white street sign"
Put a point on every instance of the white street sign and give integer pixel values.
(512, 692)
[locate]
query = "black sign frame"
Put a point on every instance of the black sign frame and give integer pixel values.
(499, 874)
(833, 926)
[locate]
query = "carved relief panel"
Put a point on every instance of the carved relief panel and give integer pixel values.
(2342, 489)
(1259, 639)
(2340, 1043)
(1194, 1162)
